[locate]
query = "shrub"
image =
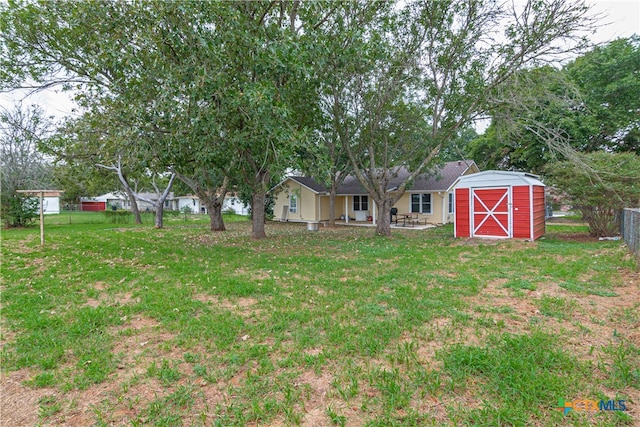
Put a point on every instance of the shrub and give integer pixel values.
(600, 188)
(18, 210)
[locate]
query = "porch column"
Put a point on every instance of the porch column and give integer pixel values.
(444, 196)
(374, 212)
(346, 209)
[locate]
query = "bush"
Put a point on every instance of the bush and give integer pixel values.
(600, 188)
(19, 211)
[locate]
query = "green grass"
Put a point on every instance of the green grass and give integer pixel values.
(186, 327)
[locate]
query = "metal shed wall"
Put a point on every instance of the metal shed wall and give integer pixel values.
(500, 204)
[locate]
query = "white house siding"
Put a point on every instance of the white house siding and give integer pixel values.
(235, 204)
(50, 205)
(192, 203)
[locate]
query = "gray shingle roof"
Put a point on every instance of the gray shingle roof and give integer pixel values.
(439, 179)
(310, 182)
(442, 178)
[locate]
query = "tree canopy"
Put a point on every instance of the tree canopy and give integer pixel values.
(551, 113)
(245, 88)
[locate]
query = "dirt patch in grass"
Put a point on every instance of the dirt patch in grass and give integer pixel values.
(573, 237)
(140, 344)
(242, 306)
(111, 300)
(19, 404)
(24, 246)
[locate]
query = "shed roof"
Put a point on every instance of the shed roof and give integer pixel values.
(495, 178)
(44, 193)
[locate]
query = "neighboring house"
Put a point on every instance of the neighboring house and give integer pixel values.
(430, 197)
(120, 200)
(190, 201)
(50, 205)
(104, 202)
(231, 203)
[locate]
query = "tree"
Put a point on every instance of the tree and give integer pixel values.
(22, 165)
(433, 68)
(607, 77)
(549, 114)
(538, 119)
(79, 179)
(230, 73)
(341, 55)
(211, 190)
(243, 76)
(600, 188)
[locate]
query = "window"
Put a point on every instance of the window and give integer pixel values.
(360, 203)
(451, 204)
(293, 204)
(415, 203)
(421, 203)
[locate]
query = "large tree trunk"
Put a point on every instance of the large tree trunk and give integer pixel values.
(159, 212)
(258, 202)
(134, 205)
(211, 196)
(332, 208)
(257, 214)
(214, 209)
(383, 222)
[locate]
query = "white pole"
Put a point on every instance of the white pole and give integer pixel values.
(42, 218)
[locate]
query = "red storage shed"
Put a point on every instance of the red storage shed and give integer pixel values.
(92, 206)
(500, 204)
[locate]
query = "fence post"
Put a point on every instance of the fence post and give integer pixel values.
(630, 229)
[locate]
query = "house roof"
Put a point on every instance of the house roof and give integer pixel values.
(307, 181)
(439, 179)
(443, 178)
(311, 183)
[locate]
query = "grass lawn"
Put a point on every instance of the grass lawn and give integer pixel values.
(121, 324)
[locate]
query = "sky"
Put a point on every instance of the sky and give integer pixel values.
(620, 18)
